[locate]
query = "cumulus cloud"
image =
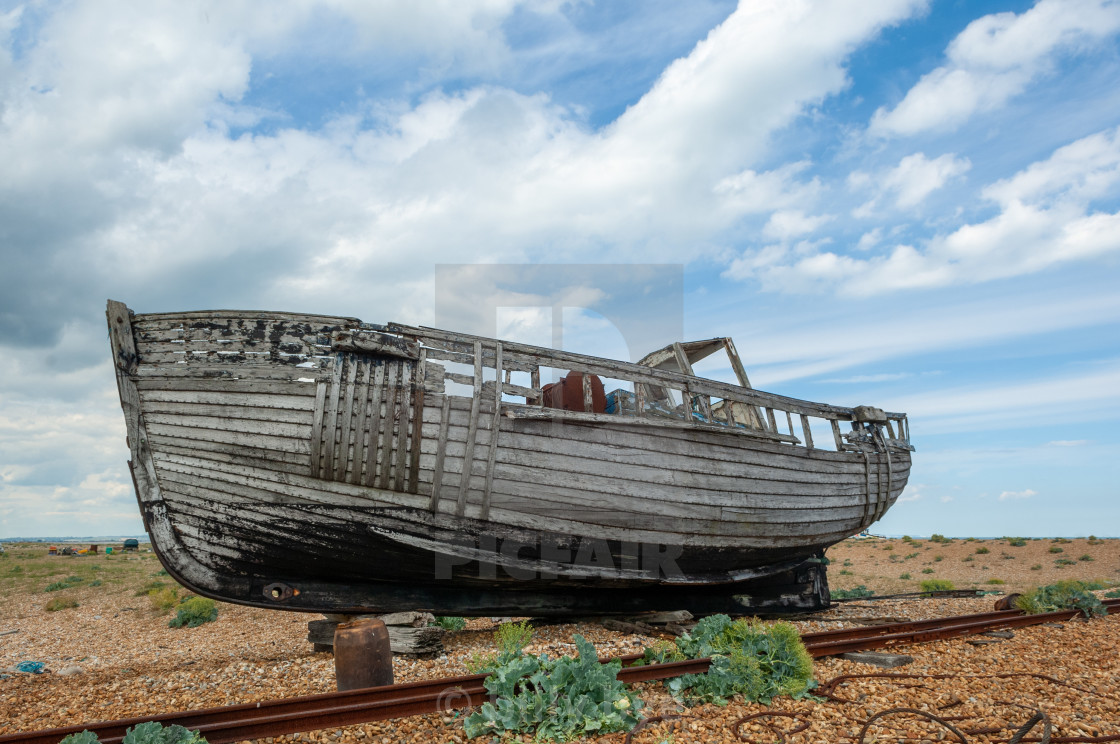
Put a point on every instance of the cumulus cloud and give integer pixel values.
(908, 183)
(162, 202)
(996, 58)
(793, 223)
(752, 192)
(916, 177)
(1046, 218)
(137, 165)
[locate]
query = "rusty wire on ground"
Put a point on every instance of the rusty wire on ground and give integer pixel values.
(1019, 735)
(771, 727)
(827, 689)
(1039, 716)
(913, 711)
(646, 722)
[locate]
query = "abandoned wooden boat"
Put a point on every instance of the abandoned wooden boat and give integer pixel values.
(323, 464)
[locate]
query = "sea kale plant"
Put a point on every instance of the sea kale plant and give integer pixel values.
(554, 699)
(751, 659)
(1064, 595)
(857, 593)
(144, 733)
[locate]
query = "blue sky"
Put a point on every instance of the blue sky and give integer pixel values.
(908, 204)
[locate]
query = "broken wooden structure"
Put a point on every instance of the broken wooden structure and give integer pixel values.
(410, 633)
(324, 464)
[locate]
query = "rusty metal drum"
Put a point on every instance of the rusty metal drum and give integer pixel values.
(362, 657)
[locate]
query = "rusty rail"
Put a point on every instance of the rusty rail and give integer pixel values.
(309, 713)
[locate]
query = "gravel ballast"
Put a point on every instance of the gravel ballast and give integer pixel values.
(113, 657)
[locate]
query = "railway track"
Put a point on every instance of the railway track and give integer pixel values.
(332, 710)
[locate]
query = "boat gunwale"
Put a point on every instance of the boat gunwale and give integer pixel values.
(523, 356)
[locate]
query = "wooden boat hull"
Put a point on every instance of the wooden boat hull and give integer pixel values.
(273, 469)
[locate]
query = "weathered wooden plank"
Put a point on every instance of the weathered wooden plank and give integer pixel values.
(374, 342)
(637, 495)
(244, 373)
(272, 403)
(610, 418)
(281, 462)
(528, 393)
(361, 433)
(465, 355)
(736, 363)
(636, 450)
(646, 463)
(246, 426)
(414, 439)
(244, 523)
(279, 343)
(806, 431)
(299, 488)
(252, 413)
(783, 499)
(402, 639)
(388, 418)
(377, 392)
(196, 483)
(441, 451)
(701, 443)
(251, 386)
(195, 358)
(460, 379)
(464, 482)
(256, 441)
(403, 416)
(149, 321)
(330, 432)
(484, 512)
(347, 418)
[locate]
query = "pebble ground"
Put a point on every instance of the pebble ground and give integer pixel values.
(114, 657)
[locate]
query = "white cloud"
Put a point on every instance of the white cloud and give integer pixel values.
(799, 349)
(870, 239)
(752, 192)
(1083, 395)
(909, 183)
(1009, 495)
(913, 492)
(996, 58)
(1068, 443)
(1046, 218)
(134, 146)
(1078, 172)
(860, 379)
(793, 223)
(916, 177)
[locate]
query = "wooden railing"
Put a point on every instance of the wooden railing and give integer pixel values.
(737, 409)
